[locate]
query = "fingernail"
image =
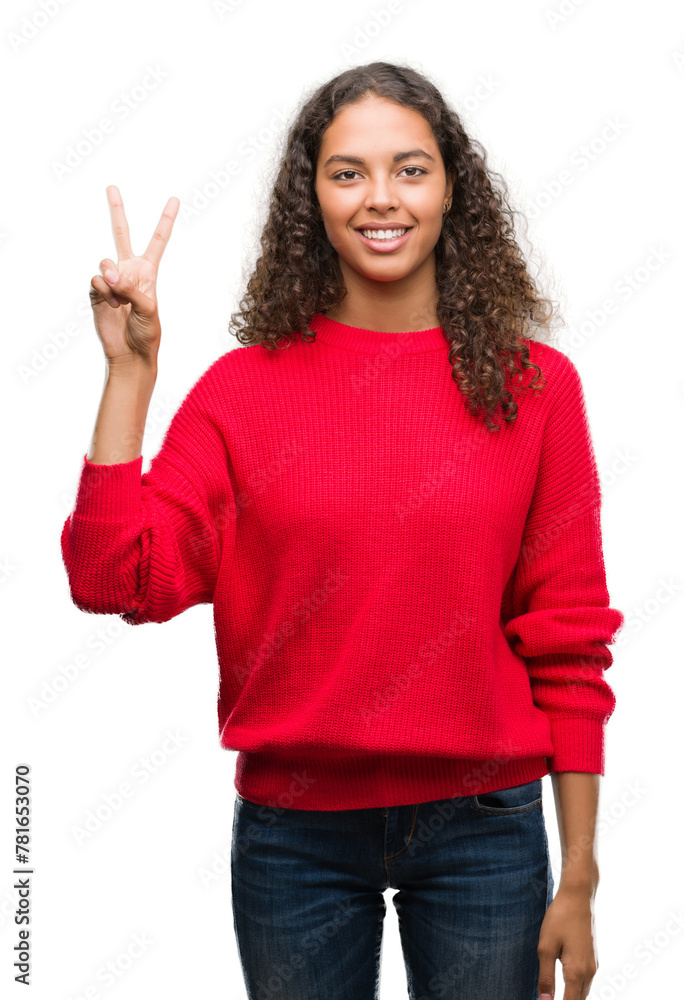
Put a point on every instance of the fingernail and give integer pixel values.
(112, 277)
(545, 996)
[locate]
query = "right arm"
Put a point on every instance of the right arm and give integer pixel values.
(145, 546)
(124, 303)
(148, 546)
(120, 422)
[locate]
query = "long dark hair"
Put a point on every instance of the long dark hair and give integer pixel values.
(488, 304)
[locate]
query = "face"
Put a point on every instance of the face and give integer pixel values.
(365, 179)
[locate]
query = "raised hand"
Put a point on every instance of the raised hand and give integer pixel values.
(125, 304)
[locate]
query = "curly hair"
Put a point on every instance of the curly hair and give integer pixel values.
(488, 304)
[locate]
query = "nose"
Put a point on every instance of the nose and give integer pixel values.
(380, 197)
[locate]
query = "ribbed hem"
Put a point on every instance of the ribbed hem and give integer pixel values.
(109, 493)
(579, 745)
(370, 781)
(354, 338)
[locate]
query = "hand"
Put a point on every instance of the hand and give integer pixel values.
(125, 307)
(567, 933)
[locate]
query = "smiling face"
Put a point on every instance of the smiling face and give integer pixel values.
(379, 166)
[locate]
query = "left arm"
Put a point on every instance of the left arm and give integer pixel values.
(560, 621)
(568, 931)
(576, 797)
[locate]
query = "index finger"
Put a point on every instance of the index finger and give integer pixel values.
(122, 239)
(161, 235)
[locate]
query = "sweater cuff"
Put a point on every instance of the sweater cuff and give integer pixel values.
(110, 493)
(578, 745)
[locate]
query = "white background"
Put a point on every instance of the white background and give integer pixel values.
(534, 82)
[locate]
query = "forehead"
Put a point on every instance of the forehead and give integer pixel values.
(376, 125)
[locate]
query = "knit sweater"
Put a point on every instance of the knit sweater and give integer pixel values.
(407, 606)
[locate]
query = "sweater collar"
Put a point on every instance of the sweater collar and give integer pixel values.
(354, 338)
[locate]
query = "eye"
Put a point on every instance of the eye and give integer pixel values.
(350, 171)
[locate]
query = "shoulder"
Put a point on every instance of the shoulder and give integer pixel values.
(560, 372)
(564, 415)
(551, 359)
(225, 373)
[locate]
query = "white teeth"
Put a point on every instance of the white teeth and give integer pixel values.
(383, 234)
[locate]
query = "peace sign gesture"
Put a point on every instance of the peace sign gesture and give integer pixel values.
(125, 304)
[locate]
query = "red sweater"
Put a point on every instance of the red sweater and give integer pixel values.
(407, 606)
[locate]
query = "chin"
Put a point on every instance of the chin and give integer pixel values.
(381, 274)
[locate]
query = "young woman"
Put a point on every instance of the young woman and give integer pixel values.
(389, 494)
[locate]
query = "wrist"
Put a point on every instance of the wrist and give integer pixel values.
(580, 880)
(135, 368)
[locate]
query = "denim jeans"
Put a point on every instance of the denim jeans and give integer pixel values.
(474, 881)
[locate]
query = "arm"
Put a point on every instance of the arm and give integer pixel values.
(576, 797)
(557, 613)
(567, 932)
(145, 546)
(149, 546)
(120, 422)
(561, 622)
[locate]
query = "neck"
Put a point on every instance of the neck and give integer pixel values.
(407, 303)
(382, 320)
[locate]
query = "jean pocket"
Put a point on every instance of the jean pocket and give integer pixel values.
(508, 801)
(248, 804)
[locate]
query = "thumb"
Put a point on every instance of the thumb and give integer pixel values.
(547, 978)
(127, 291)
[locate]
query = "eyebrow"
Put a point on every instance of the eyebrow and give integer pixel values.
(346, 158)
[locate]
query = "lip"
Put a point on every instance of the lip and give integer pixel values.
(386, 245)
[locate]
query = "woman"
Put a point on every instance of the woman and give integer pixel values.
(399, 531)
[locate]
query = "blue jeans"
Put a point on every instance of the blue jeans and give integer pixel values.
(474, 881)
